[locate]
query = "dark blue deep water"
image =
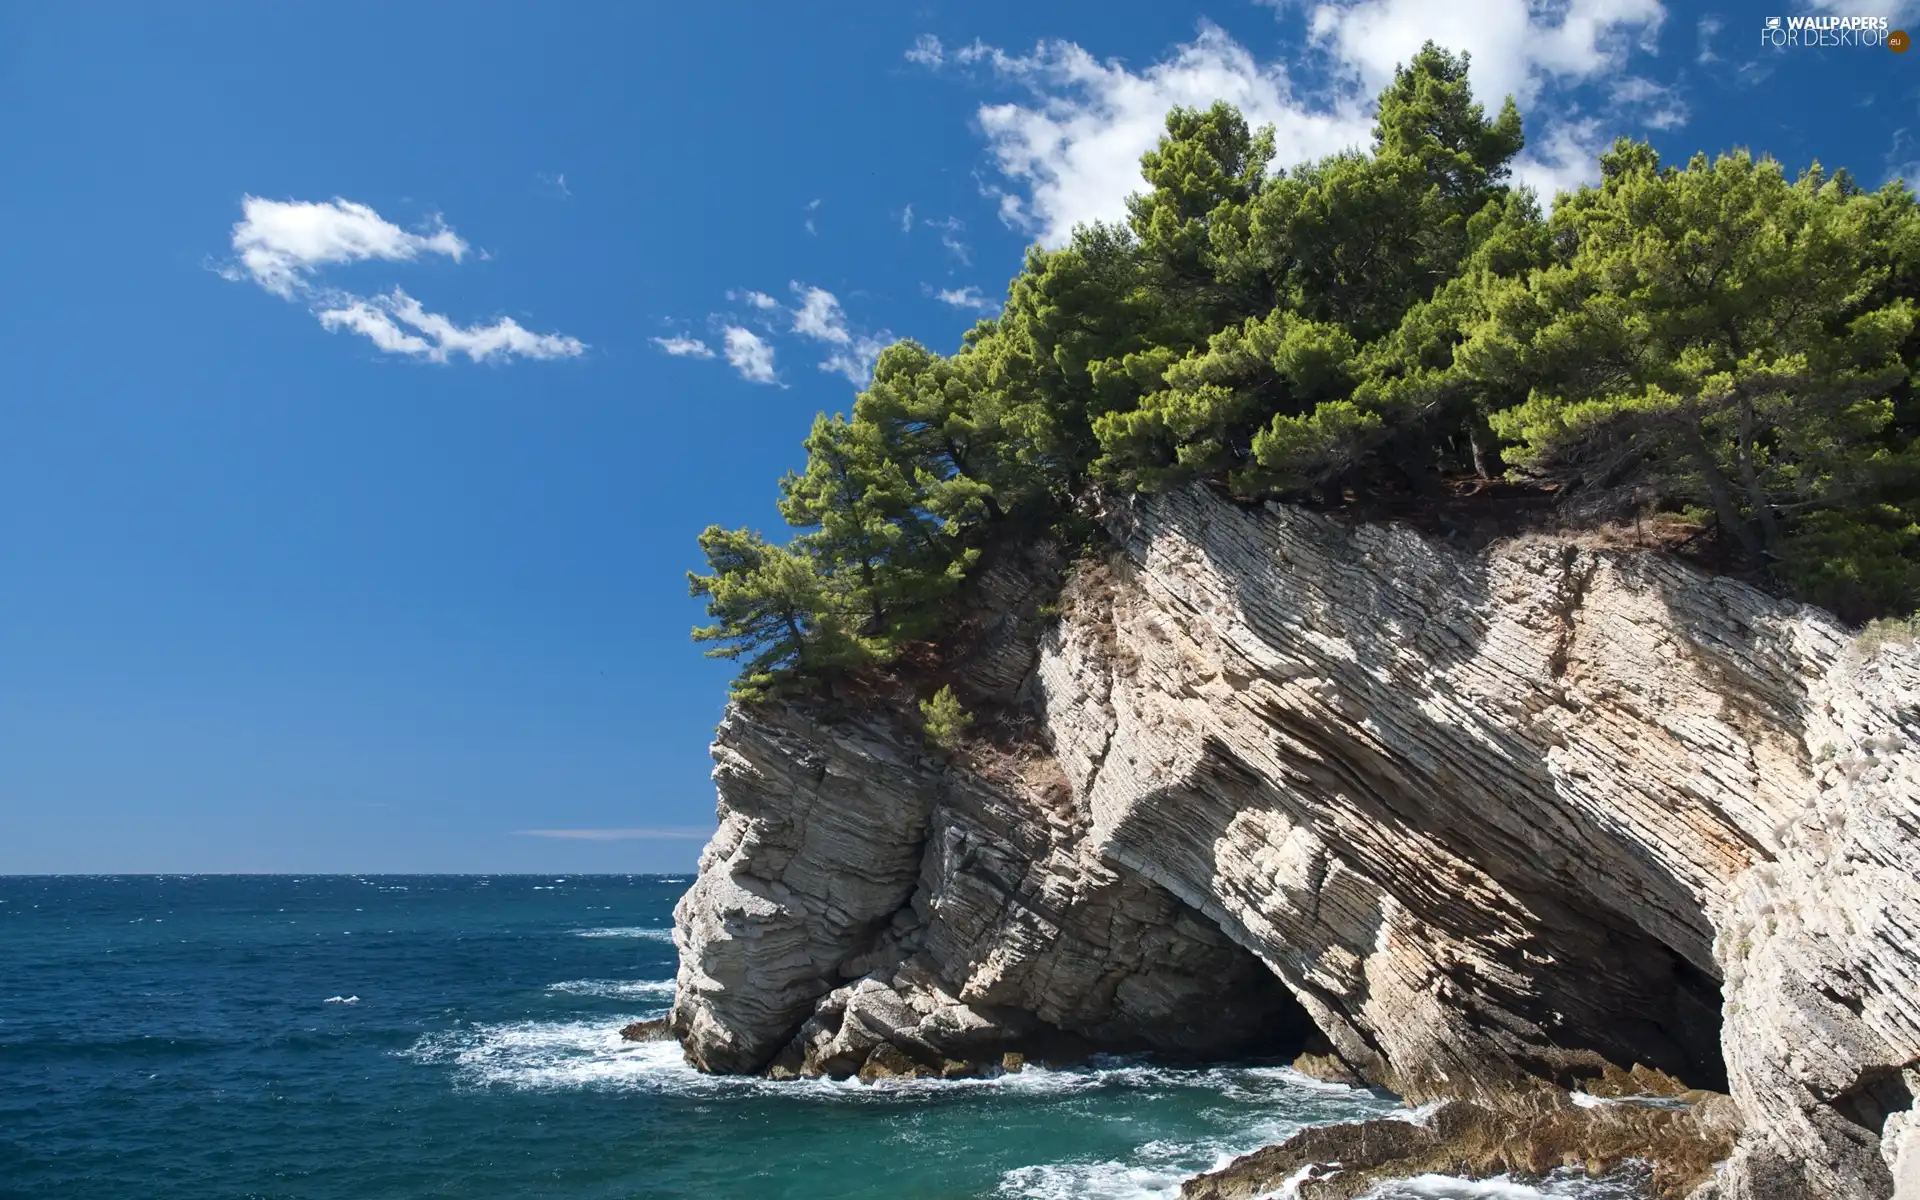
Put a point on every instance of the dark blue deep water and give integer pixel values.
(348, 1038)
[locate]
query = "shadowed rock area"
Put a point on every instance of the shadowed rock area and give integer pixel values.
(1496, 823)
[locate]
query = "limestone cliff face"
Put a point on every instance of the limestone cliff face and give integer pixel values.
(1493, 821)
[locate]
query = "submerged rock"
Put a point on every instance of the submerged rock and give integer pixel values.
(1495, 824)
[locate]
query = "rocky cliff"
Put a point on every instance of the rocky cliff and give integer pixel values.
(1482, 825)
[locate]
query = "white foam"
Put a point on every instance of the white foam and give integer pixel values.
(624, 989)
(341, 1000)
(1109, 1180)
(627, 931)
(591, 1053)
(548, 1055)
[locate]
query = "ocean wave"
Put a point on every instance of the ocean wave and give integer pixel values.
(548, 1055)
(341, 1000)
(1109, 1179)
(591, 1054)
(620, 989)
(627, 931)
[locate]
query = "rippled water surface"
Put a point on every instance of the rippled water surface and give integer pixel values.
(382, 1037)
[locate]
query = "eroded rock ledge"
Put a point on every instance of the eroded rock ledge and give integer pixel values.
(1491, 824)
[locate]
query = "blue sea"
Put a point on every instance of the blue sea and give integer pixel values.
(366, 1038)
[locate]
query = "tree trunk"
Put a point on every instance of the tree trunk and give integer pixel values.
(1750, 481)
(1486, 448)
(799, 640)
(1723, 505)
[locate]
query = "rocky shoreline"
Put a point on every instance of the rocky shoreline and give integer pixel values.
(1480, 828)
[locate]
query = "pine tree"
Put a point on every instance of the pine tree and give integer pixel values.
(771, 608)
(944, 721)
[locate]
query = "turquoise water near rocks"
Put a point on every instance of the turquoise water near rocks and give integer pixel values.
(366, 1038)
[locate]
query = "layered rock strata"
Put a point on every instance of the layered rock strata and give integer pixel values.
(1498, 822)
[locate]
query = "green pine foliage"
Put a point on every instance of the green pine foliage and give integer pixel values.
(943, 721)
(1737, 341)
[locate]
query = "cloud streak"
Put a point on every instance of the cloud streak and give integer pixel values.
(283, 245)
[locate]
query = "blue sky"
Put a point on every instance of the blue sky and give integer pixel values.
(367, 372)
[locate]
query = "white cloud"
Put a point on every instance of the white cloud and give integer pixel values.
(282, 242)
(1866, 8)
(906, 219)
(1654, 105)
(926, 51)
(757, 299)
(1072, 152)
(1901, 161)
(361, 317)
(749, 354)
(1518, 46)
(1076, 149)
(1708, 29)
(1568, 158)
(437, 338)
(813, 206)
(618, 835)
(684, 347)
(819, 315)
(966, 297)
(856, 361)
(950, 228)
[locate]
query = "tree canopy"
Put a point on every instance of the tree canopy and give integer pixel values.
(1736, 342)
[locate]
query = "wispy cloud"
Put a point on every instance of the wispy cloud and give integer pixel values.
(1653, 105)
(684, 347)
(1866, 8)
(558, 182)
(750, 354)
(819, 315)
(620, 835)
(1709, 28)
(813, 206)
(965, 297)
(855, 362)
(821, 318)
(950, 229)
(927, 51)
(282, 245)
(1903, 160)
(816, 316)
(437, 338)
(906, 219)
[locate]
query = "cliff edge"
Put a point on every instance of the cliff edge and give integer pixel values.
(1472, 826)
